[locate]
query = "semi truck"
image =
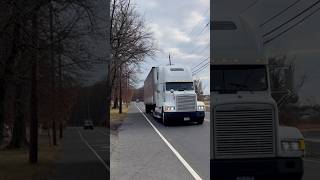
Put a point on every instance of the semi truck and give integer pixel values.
(247, 141)
(169, 94)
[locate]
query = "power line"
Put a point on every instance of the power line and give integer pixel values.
(206, 59)
(196, 48)
(194, 27)
(200, 70)
(279, 13)
(288, 29)
(202, 30)
(291, 19)
(250, 6)
(200, 52)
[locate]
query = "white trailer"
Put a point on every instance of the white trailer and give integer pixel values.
(246, 139)
(169, 94)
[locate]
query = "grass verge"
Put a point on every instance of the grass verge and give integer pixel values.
(312, 150)
(14, 164)
(116, 118)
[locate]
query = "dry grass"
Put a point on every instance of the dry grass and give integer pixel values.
(14, 164)
(116, 118)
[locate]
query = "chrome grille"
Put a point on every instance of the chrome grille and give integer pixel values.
(244, 133)
(186, 103)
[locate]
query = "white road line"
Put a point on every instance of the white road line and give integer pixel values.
(94, 152)
(182, 160)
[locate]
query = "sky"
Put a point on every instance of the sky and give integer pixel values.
(180, 28)
(300, 43)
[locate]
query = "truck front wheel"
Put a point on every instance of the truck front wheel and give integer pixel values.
(200, 120)
(147, 107)
(164, 119)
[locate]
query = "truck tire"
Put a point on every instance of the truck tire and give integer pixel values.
(164, 120)
(147, 109)
(200, 120)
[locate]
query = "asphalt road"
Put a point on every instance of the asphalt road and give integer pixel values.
(148, 150)
(191, 141)
(84, 155)
(312, 161)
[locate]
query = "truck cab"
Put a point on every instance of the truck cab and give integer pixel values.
(247, 141)
(169, 93)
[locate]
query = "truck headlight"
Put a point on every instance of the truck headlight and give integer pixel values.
(169, 108)
(292, 145)
(201, 108)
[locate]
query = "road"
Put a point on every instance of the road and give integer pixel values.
(84, 155)
(312, 161)
(190, 141)
(148, 150)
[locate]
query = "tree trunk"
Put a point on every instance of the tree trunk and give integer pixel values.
(2, 95)
(120, 91)
(108, 95)
(61, 99)
(19, 128)
(53, 93)
(115, 103)
(8, 71)
(33, 152)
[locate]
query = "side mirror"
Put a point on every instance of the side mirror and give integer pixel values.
(171, 90)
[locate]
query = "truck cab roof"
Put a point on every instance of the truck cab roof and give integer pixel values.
(235, 42)
(174, 73)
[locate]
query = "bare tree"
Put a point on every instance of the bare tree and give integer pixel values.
(31, 48)
(199, 89)
(282, 76)
(130, 42)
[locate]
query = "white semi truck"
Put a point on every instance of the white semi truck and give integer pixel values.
(247, 141)
(169, 93)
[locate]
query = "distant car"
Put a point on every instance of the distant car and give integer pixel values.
(88, 124)
(137, 100)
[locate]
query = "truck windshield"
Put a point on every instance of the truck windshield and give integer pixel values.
(179, 86)
(233, 78)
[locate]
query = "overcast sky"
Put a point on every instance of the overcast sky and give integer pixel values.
(300, 43)
(180, 29)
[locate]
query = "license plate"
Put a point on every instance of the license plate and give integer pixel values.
(245, 178)
(186, 118)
